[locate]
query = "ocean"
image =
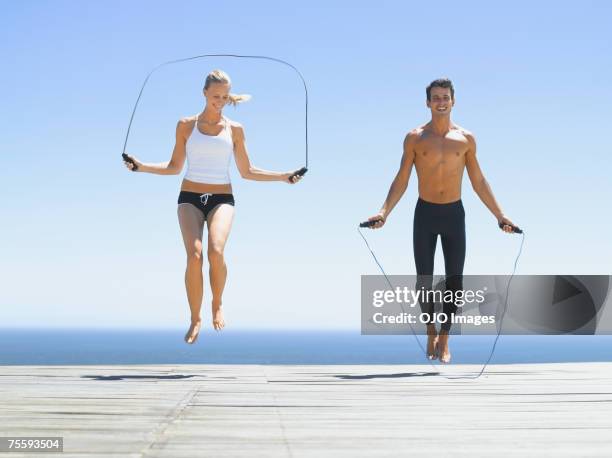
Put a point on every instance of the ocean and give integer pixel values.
(166, 346)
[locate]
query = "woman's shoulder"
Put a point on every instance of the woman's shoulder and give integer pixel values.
(187, 122)
(234, 124)
(236, 128)
(188, 119)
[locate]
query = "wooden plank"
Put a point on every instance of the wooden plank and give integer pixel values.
(312, 411)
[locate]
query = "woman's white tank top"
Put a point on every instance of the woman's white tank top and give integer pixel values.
(208, 156)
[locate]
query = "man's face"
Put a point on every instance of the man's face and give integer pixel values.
(441, 102)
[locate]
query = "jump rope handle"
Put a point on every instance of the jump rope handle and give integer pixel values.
(515, 229)
(298, 173)
(369, 223)
(127, 158)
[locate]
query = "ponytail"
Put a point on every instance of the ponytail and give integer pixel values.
(235, 99)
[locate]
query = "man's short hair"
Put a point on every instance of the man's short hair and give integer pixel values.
(440, 82)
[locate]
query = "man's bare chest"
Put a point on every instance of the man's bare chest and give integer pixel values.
(438, 149)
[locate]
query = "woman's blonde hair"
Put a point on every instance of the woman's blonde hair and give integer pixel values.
(219, 76)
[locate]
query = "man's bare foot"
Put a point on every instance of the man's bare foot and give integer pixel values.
(193, 332)
(217, 315)
(432, 344)
(443, 350)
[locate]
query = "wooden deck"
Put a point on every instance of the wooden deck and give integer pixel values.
(556, 410)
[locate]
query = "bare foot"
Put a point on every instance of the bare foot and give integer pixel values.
(193, 332)
(217, 314)
(444, 353)
(432, 345)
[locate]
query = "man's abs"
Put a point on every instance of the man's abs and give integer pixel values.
(439, 187)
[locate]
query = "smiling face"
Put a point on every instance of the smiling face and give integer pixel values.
(441, 102)
(217, 96)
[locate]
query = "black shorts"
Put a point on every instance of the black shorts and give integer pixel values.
(205, 202)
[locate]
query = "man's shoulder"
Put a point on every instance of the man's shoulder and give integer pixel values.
(415, 134)
(466, 133)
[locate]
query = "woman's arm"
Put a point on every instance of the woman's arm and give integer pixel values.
(248, 171)
(176, 162)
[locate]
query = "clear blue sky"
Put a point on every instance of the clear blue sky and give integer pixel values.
(85, 243)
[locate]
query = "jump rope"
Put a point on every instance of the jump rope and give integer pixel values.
(297, 173)
(304, 169)
(516, 230)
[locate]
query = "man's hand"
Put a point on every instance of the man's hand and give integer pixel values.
(380, 220)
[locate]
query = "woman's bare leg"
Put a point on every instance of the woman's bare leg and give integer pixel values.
(219, 225)
(191, 221)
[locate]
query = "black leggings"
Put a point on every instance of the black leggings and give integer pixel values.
(448, 221)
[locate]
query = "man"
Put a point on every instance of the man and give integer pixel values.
(440, 150)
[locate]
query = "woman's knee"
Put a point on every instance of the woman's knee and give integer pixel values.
(194, 257)
(215, 253)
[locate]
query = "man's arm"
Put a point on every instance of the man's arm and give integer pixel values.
(480, 184)
(400, 182)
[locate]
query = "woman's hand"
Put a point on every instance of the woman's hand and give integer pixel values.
(287, 177)
(130, 165)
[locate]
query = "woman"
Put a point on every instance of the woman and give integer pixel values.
(207, 140)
